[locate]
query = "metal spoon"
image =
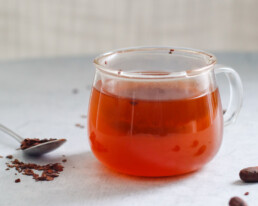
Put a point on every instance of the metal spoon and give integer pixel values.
(36, 150)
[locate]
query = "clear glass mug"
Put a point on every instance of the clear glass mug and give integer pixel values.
(156, 111)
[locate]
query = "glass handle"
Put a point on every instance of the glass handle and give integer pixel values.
(236, 93)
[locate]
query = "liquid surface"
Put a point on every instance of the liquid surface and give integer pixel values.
(155, 138)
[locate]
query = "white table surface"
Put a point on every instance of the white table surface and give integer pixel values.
(36, 100)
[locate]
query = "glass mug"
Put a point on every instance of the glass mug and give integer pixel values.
(156, 111)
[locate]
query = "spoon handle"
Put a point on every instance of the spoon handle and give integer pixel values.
(11, 133)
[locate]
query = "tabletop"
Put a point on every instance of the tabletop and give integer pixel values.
(48, 97)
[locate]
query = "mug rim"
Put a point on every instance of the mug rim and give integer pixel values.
(132, 75)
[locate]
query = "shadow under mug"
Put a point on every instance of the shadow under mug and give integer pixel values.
(156, 111)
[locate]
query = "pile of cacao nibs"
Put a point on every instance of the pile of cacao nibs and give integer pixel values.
(49, 171)
(44, 172)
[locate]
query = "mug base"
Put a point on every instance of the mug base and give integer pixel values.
(155, 174)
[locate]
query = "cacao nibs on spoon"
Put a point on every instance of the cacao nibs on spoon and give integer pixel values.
(27, 143)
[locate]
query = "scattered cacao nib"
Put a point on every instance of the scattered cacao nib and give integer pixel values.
(249, 174)
(63, 155)
(7, 169)
(1, 156)
(27, 143)
(9, 156)
(247, 193)
(75, 91)
(237, 201)
(64, 160)
(224, 111)
(17, 180)
(171, 51)
(84, 116)
(49, 171)
(105, 62)
(79, 125)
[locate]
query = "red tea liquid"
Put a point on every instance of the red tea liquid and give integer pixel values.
(155, 137)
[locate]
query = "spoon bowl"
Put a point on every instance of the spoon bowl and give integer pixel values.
(38, 149)
(44, 148)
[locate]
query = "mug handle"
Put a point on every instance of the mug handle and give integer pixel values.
(236, 93)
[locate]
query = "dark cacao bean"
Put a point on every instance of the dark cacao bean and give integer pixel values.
(249, 174)
(237, 201)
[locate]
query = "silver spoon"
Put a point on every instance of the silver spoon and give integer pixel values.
(36, 150)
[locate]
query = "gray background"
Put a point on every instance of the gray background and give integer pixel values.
(34, 28)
